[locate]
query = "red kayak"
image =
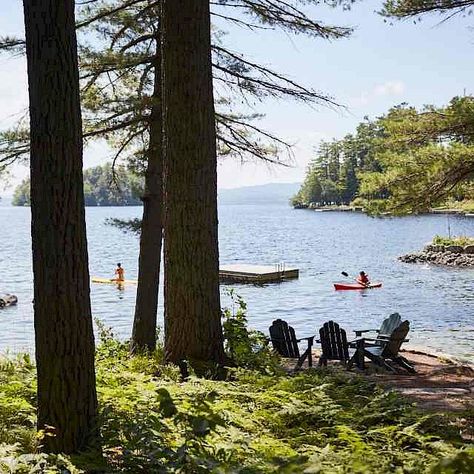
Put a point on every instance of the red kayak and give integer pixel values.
(355, 286)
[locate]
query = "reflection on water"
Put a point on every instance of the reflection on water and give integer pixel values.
(437, 301)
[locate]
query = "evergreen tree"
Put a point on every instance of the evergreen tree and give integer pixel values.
(425, 156)
(120, 94)
(192, 311)
(67, 401)
(333, 177)
(151, 232)
(103, 186)
(21, 195)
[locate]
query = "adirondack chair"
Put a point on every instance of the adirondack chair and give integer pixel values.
(284, 342)
(334, 345)
(387, 327)
(386, 354)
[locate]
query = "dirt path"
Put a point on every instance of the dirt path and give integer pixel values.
(439, 384)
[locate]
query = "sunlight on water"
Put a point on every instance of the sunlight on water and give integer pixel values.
(439, 302)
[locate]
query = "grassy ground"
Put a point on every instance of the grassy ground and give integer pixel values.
(467, 205)
(328, 421)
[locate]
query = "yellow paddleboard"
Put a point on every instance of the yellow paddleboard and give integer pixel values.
(115, 282)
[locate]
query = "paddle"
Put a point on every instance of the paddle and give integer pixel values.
(355, 279)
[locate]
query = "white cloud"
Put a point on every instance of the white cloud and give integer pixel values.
(386, 89)
(389, 88)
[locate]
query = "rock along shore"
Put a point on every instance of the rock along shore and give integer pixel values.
(449, 255)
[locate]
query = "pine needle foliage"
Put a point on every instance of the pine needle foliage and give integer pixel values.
(118, 53)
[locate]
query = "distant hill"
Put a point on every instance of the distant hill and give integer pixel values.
(273, 193)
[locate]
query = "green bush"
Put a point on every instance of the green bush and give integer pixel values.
(245, 347)
(460, 240)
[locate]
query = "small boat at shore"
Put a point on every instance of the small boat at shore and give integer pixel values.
(356, 286)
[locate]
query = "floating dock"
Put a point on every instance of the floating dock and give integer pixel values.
(244, 273)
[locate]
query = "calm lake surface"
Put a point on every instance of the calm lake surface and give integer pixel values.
(439, 302)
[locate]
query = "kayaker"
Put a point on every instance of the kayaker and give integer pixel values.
(119, 272)
(363, 279)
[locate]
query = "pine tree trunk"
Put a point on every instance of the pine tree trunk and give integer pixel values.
(144, 323)
(67, 401)
(192, 303)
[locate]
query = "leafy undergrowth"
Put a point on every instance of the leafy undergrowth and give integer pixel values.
(318, 421)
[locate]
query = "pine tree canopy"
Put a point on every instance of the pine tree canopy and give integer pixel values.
(414, 8)
(118, 54)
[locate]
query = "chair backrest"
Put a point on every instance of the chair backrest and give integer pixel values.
(284, 339)
(390, 324)
(334, 342)
(396, 340)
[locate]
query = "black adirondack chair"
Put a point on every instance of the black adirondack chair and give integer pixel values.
(334, 345)
(284, 342)
(388, 354)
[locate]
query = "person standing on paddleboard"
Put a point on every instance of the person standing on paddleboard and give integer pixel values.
(363, 279)
(119, 272)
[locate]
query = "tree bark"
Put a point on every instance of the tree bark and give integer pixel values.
(146, 307)
(192, 302)
(67, 400)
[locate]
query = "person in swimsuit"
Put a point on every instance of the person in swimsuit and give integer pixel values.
(119, 273)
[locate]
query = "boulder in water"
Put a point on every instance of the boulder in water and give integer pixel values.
(8, 300)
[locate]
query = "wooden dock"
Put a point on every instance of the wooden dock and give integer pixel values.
(244, 273)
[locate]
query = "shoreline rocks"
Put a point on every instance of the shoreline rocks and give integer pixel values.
(449, 255)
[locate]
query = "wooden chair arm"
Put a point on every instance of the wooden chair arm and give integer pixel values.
(356, 341)
(360, 331)
(385, 338)
(379, 338)
(366, 339)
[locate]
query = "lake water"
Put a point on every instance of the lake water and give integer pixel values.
(439, 302)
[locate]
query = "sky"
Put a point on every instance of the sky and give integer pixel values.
(381, 65)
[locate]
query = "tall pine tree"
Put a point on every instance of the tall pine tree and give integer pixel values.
(192, 311)
(67, 401)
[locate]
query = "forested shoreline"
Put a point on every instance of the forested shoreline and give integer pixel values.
(103, 186)
(408, 160)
